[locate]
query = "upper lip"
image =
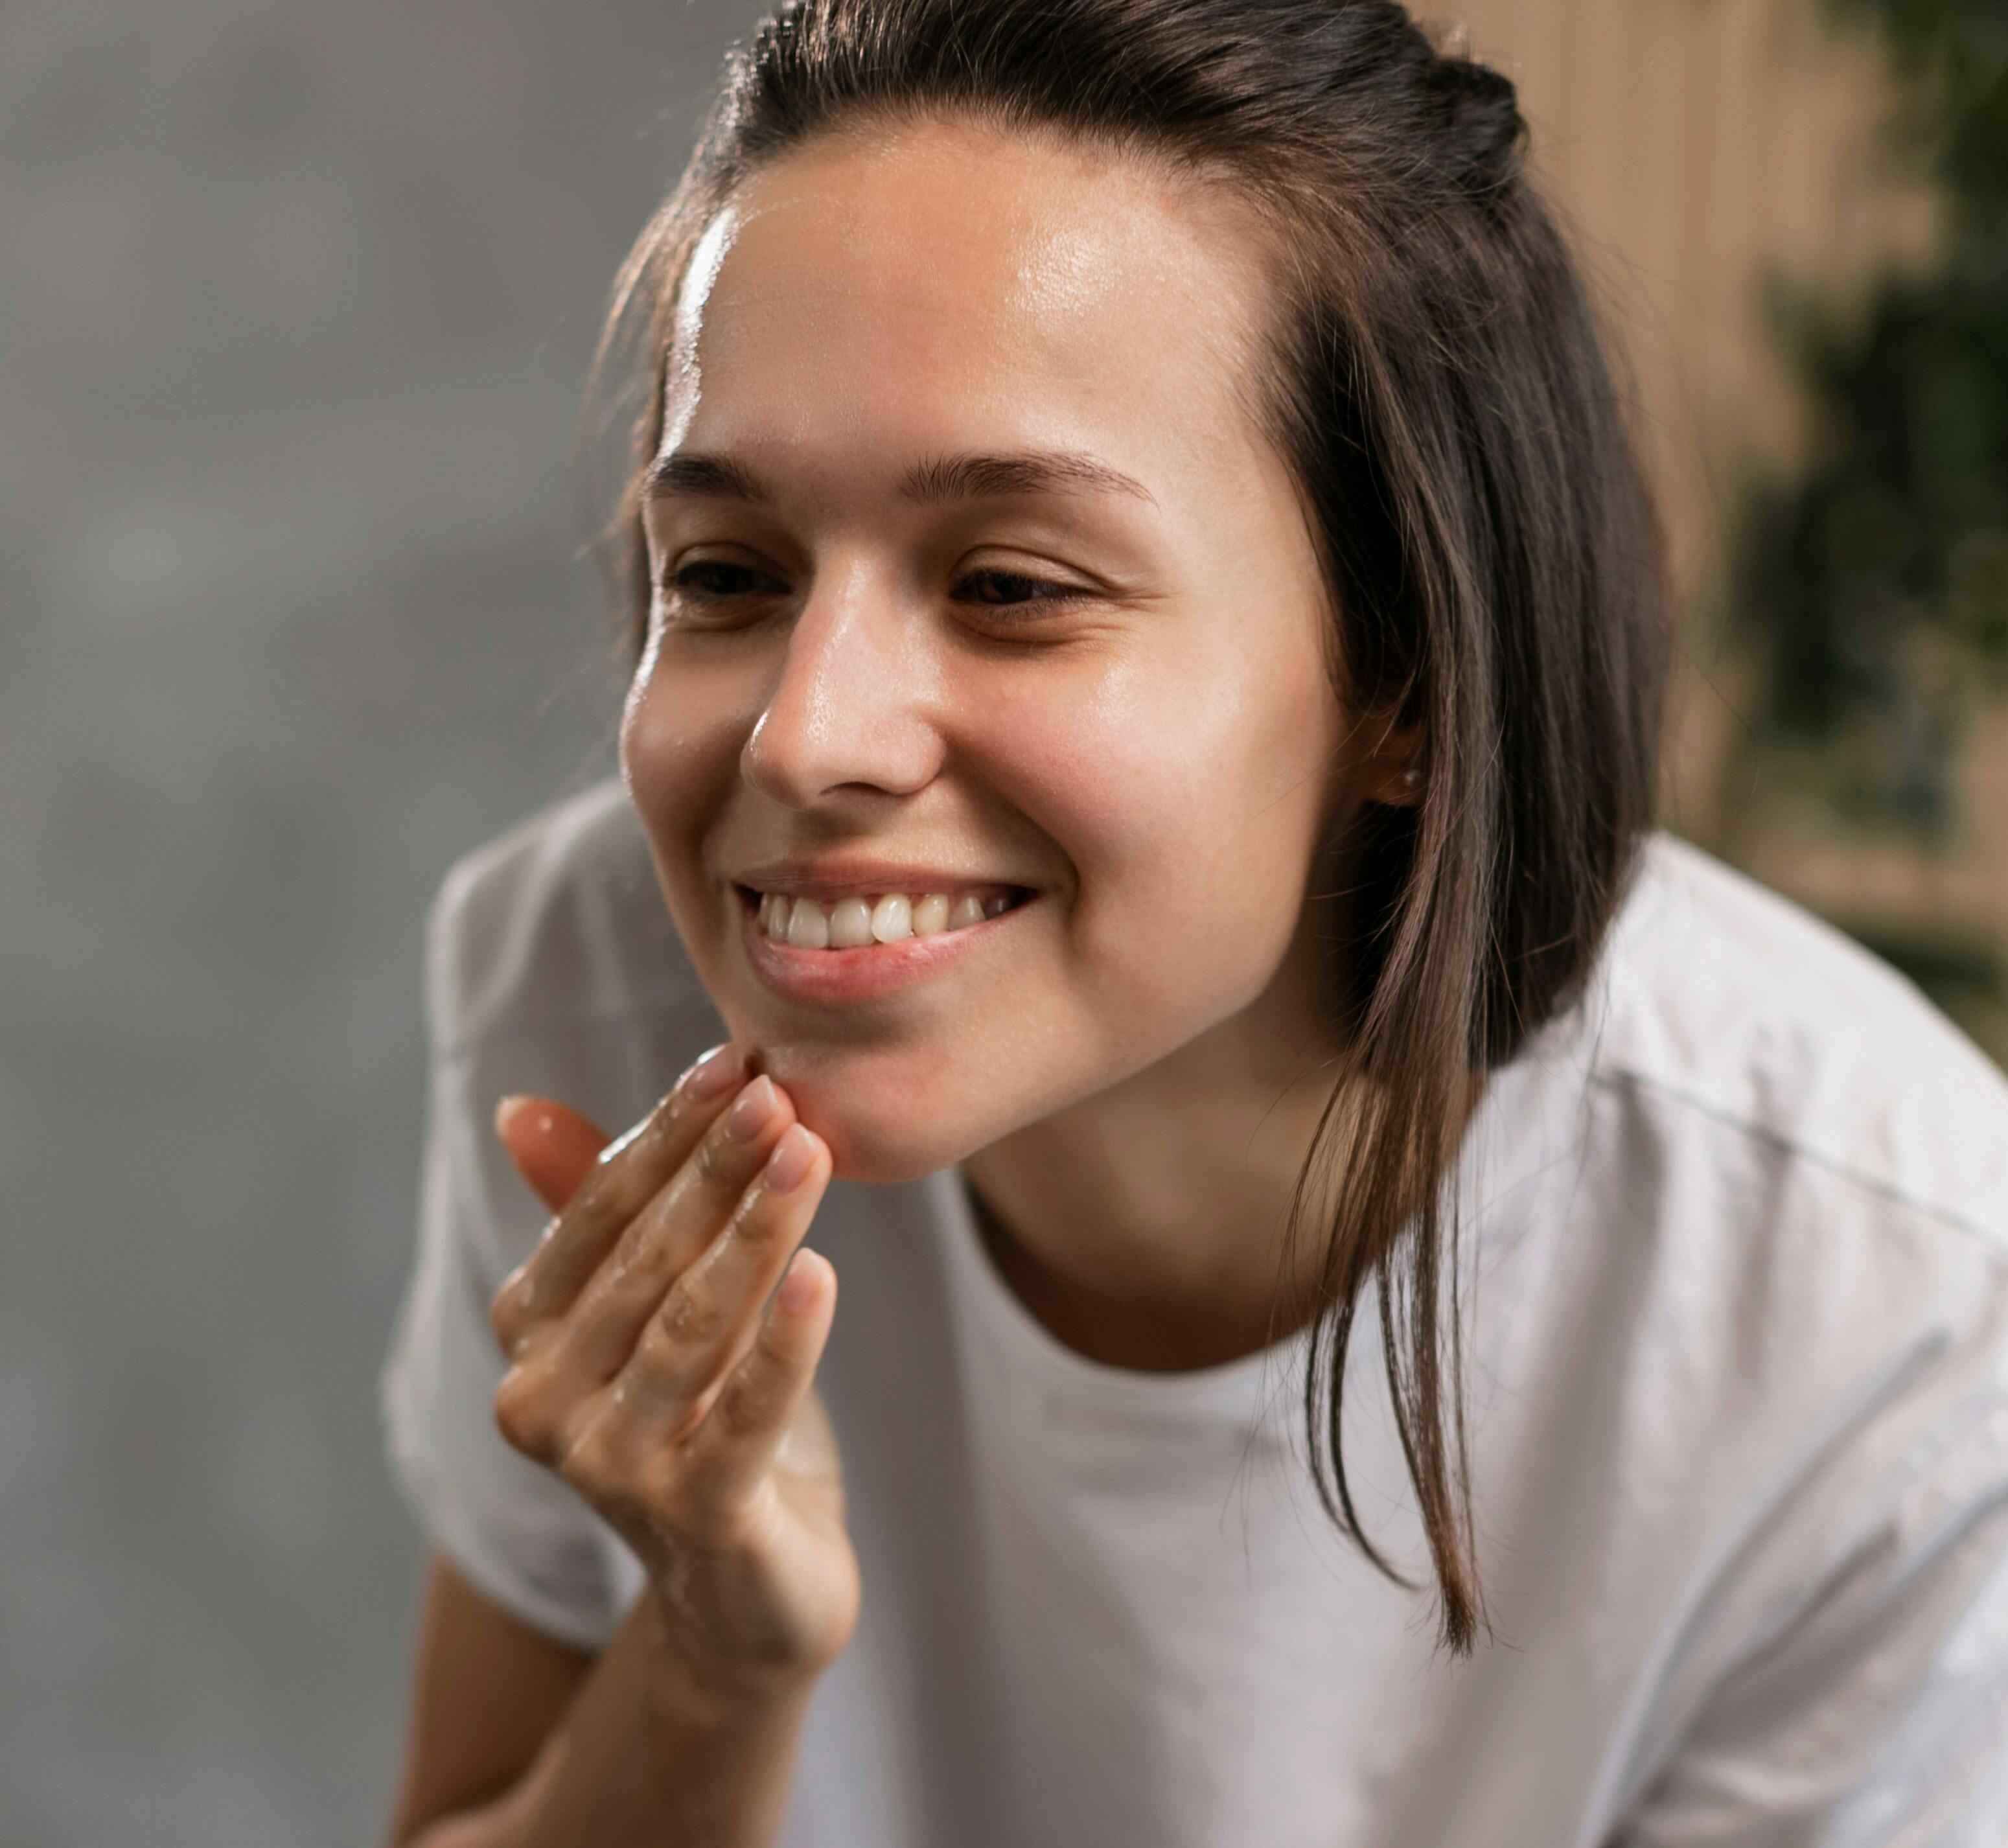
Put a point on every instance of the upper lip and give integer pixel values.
(842, 878)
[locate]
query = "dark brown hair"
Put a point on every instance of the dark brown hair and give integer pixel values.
(1433, 376)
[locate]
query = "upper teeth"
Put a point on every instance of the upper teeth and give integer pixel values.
(806, 923)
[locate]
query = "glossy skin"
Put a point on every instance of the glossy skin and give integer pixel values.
(1128, 1072)
(642, 1370)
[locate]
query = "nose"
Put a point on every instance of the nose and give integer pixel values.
(853, 705)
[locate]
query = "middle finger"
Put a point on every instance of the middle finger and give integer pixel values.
(669, 1234)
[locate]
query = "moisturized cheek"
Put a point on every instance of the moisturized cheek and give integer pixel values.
(1219, 790)
(680, 736)
(1116, 775)
(644, 674)
(1183, 748)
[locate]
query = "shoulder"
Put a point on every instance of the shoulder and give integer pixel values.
(1755, 1326)
(557, 919)
(1734, 1014)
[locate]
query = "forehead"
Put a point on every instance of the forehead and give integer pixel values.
(950, 280)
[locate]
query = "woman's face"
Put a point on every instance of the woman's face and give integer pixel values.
(854, 665)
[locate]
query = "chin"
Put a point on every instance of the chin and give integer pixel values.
(868, 1146)
(887, 1118)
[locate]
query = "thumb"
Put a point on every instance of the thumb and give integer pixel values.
(554, 1147)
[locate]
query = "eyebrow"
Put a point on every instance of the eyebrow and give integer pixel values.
(930, 482)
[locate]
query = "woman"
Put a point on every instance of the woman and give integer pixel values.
(1147, 659)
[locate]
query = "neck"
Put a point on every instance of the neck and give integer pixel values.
(1143, 1227)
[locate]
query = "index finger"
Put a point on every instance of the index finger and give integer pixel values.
(628, 1173)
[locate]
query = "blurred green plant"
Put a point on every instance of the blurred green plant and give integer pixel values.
(1872, 584)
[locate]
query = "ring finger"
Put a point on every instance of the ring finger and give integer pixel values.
(711, 1315)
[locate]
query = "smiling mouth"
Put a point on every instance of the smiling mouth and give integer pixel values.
(873, 920)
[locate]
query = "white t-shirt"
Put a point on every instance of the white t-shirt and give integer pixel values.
(1736, 1265)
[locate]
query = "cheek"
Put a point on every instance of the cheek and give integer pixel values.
(1197, 787)
(680, 745)
(1187, 796)
(680, 741)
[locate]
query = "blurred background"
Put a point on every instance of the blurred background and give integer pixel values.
(297, 303)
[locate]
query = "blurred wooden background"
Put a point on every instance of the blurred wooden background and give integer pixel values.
(1690, 145)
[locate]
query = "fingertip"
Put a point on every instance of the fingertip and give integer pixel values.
(801, 1283)
(518, 1113)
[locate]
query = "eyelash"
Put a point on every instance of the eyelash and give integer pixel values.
(1029, 609)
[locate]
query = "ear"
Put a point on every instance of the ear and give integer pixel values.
(1391, 773)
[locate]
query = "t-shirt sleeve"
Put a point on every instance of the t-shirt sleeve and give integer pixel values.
(518, 1532)
(1876, 1714)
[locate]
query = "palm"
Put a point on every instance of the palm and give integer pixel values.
(799, 1530)
(811, 1545)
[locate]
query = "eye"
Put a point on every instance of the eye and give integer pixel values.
(1008, 596)
(699, 581)
(1043, 599)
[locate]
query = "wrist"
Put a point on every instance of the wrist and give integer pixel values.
(691, 1695)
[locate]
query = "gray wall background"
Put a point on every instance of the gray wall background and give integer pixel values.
(296, 302)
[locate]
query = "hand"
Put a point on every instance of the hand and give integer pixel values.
(642, 1371)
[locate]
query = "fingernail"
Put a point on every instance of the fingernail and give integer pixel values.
(790, 1160)
(712, 1075)
(743, 1120)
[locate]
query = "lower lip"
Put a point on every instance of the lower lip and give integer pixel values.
(831, 976)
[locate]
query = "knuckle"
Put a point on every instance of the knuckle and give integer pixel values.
(593, 1199)
(597, 1464)
(754, 1221)
(664, 1387)
(690, 1316)
(747, 1404)
(507, 1311)
(720, 1165)
(649, 1257)
(523, 1415)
